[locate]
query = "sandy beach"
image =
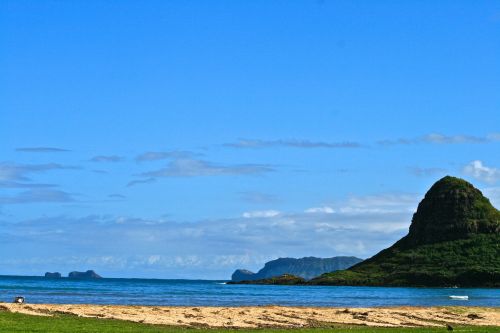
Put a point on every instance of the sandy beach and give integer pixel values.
(271, 316)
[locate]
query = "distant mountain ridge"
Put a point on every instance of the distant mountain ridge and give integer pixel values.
(306, 268)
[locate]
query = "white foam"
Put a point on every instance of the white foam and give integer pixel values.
(462, 298)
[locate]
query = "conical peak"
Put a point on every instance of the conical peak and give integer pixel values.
(449, 184)
(452, 208)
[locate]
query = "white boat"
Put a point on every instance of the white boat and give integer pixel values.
(463, 298)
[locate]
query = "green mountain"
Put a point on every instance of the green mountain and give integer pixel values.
(454, 240)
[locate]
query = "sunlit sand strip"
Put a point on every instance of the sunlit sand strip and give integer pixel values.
(271, 316)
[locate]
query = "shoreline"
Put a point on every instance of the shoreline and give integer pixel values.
(271, 316)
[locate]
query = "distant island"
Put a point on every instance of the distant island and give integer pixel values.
(305, 268)
(453, 240)
(90, 274)
(55, 275)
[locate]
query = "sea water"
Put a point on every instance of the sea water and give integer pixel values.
(216, 293)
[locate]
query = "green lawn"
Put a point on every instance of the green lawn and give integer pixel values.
(14, 322)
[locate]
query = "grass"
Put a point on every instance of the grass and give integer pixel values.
(15, 322)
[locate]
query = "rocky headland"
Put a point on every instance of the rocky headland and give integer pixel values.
(305, 268)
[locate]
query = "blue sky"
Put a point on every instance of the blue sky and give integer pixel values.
(185, 139)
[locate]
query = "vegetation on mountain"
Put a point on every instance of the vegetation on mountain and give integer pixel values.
(471, 262)
(454, 240)
(285, 279)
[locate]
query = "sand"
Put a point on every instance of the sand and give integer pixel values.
(271, 316)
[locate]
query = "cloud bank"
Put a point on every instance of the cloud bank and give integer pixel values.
(305, 144)
(260, 214)
(162, 155)
(37, 196)
(213, 248)
(107, 158)
(190, 167)
(436, 138)
(41, 150)
(320, 210)
(20, 172)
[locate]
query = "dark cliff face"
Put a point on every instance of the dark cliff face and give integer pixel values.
(452, 209)
(242, 275)
(307, 268)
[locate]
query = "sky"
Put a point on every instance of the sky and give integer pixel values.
(186, 139)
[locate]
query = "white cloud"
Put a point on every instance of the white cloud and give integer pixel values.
(107, 158)
(451, 139)
(426, 172)
(37, 195)
(19, 172)
(13, 184)
(359, 226)
(41, 150)
(258, 197)
(121, 220)
(441, 139)
(380, 204)
(481, 172)
(292, 143)
(116, 196)
(190, 167)
(153, 259)
(141, 181)
(162, 155)
(320, 210)
(494, 136)
(493, 193)
(261, 214)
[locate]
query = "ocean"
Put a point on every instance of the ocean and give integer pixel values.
(216, 293)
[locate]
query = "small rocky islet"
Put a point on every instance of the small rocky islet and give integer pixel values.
(55, 275)
(90, 274)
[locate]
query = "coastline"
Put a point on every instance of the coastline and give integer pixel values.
(271, 316)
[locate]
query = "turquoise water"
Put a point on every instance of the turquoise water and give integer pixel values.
(200, 292)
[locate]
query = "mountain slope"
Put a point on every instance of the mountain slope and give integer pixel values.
(454, 239)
